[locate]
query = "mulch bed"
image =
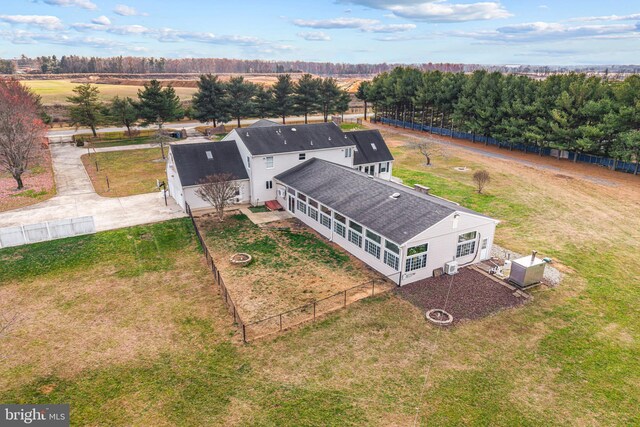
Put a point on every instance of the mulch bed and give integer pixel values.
(472, 295)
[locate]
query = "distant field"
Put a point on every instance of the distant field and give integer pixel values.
(57, 91)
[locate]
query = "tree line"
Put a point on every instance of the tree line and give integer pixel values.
(572, 111)
(74, 64)
(215, 101)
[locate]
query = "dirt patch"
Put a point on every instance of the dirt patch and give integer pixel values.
(467, 295)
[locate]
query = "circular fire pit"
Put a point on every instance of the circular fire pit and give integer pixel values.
(241, 259)
(439, 317)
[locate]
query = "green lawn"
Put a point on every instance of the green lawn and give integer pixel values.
(129, 172)
(351, 126)
(127, 327)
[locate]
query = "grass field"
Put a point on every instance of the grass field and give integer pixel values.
(125, 326)
(57, 91)
(130, 172)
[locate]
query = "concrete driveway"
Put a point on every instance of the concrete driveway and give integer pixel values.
(76, 197)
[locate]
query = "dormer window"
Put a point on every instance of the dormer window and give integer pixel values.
(348, 152)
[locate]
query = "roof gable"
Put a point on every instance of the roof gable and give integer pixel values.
(196, 161)
(292, 138)
(263, 123)
(368, 200)
(370, 147)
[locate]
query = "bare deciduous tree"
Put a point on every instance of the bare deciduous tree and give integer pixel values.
(481, 178)
(425, 147)
(21, 128)
(219, 190)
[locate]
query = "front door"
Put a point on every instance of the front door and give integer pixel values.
(484, 249)
(292, 204)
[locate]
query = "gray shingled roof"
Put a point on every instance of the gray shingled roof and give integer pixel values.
(193, 164)
(365, 151)
(263, 123)
(291, 138)
(367, 200)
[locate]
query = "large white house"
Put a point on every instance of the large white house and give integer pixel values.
(338, 183)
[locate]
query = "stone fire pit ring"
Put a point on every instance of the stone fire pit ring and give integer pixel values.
(240, 259)
(439, 317)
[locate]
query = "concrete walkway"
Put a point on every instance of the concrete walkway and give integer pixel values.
(76, 197)
(260, 218)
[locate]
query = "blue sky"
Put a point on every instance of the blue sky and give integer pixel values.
(561, 32)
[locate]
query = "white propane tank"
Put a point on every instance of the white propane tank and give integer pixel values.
(506, 268)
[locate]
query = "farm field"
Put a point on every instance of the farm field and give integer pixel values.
(137, 335)
(57, 91)
(129, 172)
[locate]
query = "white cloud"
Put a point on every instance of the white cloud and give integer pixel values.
(314, 36)
(438, 10)
(632, 17)
(101, 20)
(85, 4)
(46, 22)
(365, 25)
(126, 30)
(124, 10)
(553, 31)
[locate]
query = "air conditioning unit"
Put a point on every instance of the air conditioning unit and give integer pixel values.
(451, 268)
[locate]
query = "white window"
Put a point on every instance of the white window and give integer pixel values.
(391, 259)
(466, 244)
(269, 162)
(325, 216)
(302, 156)
(339, 224)
(384, 167)
(302, 206)
(416, 257)
(348, 152)
(391, 255)
(355, 233)
(372, 244)
(373, 145)
(248, 162)
(313, 213)
(209, 155)
(269, 185)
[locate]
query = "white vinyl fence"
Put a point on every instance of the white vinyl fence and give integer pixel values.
(34, 233)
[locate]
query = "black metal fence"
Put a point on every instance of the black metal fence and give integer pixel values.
(217, 277)
(313, 310)
(613, 164)
(296, 316)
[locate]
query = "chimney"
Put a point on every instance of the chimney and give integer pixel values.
(533, 256)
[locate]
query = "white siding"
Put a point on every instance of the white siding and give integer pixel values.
(196, 202)
(376, 168)
(173, 182)
(259, 173)
(443, 243)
